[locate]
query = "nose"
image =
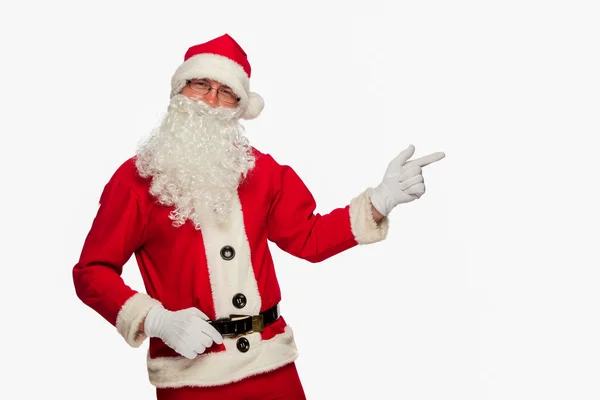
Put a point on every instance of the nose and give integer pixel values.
(211, 98)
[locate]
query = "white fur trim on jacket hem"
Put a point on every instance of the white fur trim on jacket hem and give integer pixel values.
(131, 315)
(227, 366)
(364, 227)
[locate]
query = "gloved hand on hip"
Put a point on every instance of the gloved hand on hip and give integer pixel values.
(402, 182)
(185, 331)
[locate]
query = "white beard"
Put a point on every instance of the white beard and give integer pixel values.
(196, 157)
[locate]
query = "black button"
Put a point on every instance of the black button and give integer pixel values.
(239, 301)
(243, 344)
(227, 252)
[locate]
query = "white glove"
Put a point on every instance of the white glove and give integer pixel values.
(402, 181)
(185, 331)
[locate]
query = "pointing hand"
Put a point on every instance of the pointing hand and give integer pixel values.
(402, 182)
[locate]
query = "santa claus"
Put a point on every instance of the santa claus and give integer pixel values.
(197, 205)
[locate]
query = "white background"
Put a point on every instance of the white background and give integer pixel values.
(486, 288)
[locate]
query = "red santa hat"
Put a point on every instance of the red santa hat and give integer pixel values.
(221, 59)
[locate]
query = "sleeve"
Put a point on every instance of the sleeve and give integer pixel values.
(116, 232)
(294, 227)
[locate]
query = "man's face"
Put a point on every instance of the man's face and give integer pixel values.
(210, 92)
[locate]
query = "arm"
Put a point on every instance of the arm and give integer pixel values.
(294, 226)
(116, 232)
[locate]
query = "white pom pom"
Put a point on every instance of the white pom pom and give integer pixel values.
(255, 106)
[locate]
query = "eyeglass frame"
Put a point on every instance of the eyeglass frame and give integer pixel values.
(237, 98)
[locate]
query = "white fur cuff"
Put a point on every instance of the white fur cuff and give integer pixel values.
(131, 315)
(364, 227)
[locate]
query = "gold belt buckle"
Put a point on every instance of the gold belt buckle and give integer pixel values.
(258, 323)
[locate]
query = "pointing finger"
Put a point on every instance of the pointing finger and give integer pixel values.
(423, 161)
(409, 173)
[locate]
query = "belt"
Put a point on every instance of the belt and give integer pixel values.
(235, 325)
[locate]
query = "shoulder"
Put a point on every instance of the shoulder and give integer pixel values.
(127, 176)
(268, 167)
(266, 160)
(127, 173)
(278, 173)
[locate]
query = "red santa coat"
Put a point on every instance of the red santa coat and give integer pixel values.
(183, 267)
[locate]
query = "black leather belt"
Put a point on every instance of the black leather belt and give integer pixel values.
(235, 325)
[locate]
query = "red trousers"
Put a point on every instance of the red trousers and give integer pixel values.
(283, 383)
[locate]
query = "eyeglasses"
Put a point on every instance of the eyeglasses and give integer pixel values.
(203, 88)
